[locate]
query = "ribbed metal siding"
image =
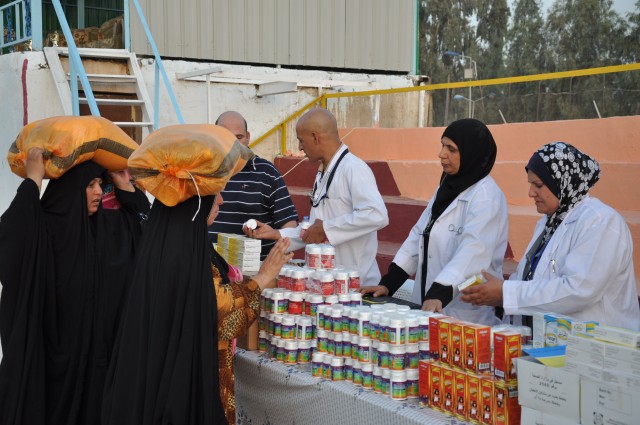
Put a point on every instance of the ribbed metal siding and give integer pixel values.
(359, 34)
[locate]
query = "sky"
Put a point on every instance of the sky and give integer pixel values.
(621, 6)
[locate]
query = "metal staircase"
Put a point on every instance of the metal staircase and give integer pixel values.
(116, 81)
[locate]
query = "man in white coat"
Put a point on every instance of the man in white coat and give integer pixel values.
(580, 259)
(347, 209)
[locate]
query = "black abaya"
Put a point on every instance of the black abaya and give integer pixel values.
(64, 277)
(165, 365)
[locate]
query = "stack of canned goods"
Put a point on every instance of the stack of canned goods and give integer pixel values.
(288, 322)
(375, 347)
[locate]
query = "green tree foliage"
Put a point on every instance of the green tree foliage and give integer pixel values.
(576, 34)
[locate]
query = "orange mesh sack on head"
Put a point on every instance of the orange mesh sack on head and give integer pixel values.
(173, 160)
(68, 141)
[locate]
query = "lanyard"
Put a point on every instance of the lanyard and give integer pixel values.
(315, 204)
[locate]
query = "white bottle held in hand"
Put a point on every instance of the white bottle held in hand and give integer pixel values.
(251, 224)
(304, 226)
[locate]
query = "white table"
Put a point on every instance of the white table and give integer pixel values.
(272, 393)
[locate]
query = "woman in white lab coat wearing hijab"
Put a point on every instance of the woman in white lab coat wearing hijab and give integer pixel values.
(462, 231)
(580, 259)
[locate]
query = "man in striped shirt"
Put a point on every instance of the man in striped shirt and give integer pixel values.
(258, 192)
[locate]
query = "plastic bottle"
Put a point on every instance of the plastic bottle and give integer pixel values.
(304, 226)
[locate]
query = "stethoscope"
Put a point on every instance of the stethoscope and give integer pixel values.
(452, 228)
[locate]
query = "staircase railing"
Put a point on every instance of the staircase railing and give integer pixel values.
(76, 69)
(285, 139)
(159, 69)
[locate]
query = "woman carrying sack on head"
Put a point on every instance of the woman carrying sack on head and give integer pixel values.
(64, 269)
(182, 304)
(580, 259)
(462, 231)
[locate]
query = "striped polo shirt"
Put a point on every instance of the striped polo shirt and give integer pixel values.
(258, 192)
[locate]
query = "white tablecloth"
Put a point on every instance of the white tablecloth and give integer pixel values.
(271, 393)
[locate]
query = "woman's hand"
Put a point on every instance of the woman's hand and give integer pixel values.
(34, 166)
(278, 257)
(262, 231)
(433, 305)
(488, 293)
(122, 180)
(377, 291)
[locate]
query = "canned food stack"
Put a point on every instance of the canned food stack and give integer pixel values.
(377, 347)
(470, 373)
(287, 323)
(240, 251)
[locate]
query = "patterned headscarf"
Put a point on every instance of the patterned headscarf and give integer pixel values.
(572, 172)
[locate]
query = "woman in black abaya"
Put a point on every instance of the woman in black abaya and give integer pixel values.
(165, 368)
(64, 269)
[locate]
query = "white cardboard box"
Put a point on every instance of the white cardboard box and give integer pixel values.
(608, 404)
(536, 417)
(552, 390)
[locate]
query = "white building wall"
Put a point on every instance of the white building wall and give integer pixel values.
(262, 113)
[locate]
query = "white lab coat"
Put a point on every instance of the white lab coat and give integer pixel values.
(469, 236)
(351, 215)
(586, 270)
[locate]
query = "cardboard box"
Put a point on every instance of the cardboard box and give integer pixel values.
(424, 382)
(436, 400)
(552, 390)
(545, 329)
(573, 353)
(444, 332)
(618, 335)
(249, 341)
(434, 336)
(608, 404)
(457, 345)
(448, 390)
(587, 344)
(477, 348)
(506, 408)
(536, 417)
(474, 399)
(616, 378)
(486, 400)
(583, 369)
(506, 347)
(461, 402)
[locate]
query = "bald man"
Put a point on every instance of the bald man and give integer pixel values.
(258, 192)
(347, 209)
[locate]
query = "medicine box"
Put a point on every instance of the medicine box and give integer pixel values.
(486, 400)
(618, 335)
(506, 347)
(506, 407)
(477, 348)
(474, 399)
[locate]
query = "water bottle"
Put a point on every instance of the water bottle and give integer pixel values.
(304, 226)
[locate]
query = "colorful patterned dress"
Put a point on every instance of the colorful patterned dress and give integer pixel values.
(238, 307)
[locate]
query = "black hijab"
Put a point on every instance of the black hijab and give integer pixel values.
(165, 366)
(62, 298)
(477, 156)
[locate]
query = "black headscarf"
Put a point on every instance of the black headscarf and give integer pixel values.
(568, 173)
(165, 367)
(67, 287)
(477, 156)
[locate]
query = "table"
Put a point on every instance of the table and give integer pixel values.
(272, 393)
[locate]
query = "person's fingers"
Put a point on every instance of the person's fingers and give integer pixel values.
(380, 293)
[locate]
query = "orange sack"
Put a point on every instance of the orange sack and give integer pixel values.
(70, 140)
(172, 158)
